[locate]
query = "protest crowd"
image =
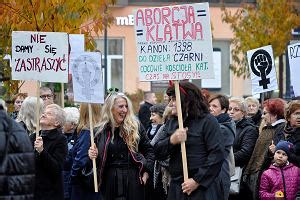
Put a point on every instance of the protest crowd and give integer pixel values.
(193, 144)
(236, 148)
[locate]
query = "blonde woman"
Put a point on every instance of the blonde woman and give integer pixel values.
(27, 114)
(124, 154)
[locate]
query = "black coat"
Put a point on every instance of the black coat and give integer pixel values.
(244, 142)
(228, 129)
(143, 159)
(144, 115)
(49, 165)
(16, 161)
(205, 156)
(291, 135)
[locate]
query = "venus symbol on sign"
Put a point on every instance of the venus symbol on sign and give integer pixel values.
(261, 66)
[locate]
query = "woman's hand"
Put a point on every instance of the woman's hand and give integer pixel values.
(93, 152)
(272, 147)
(145, 177)
(189, 186)
(38, 144)
(179, 136)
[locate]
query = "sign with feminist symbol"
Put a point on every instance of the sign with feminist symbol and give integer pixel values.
(87, 77)
(263, 73)
(174, 42)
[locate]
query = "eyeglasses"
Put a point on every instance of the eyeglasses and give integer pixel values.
(48, 96)
(236, 109)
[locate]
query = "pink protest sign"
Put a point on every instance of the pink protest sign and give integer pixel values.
(174, 42)
(41, 56)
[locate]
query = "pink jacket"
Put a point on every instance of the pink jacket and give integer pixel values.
(271, 182)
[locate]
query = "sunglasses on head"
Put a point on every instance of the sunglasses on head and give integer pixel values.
(112, 90)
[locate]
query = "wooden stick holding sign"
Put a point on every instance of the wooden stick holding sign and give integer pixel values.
(37, 109)
(180, 122)
(92, 144)
(62, 95)
(88, 88)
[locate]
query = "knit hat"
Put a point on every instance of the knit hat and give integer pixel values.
(284, 146)
(158, 108)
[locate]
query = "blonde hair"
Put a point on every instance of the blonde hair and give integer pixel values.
(27, 113)
(130, 126)
(252, 100)
(84, 116)
(241, 102)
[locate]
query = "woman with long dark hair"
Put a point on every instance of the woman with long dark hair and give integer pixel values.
(204, 147)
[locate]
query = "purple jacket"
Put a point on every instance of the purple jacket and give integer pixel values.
(272, 181)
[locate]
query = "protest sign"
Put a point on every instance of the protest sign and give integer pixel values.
(217, 81)
(294, 61)
(88, 88)
(87, 78)
(262, 67)
(76, 42)
(77, 45)
(174, 42)
(41, 56)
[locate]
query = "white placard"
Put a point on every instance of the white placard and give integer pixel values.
(87, 78)
(262, 67)
(77, 46)
(294, 61)
(217, 81)
(40, 56)
(76, 42)
(174, 42)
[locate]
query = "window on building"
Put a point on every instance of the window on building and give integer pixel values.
(115, 60)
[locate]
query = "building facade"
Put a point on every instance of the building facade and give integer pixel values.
(122, 66)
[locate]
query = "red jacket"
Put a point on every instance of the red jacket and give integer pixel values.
(272, 181)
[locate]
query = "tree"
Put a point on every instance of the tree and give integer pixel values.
(71, 16)
(268, 22)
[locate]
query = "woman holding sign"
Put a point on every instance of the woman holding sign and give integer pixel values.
(204, 148)
(124, 154)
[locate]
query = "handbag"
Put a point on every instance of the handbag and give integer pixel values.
(236, 181)
(86, 178)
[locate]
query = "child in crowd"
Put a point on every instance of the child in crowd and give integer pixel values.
(282, 179)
